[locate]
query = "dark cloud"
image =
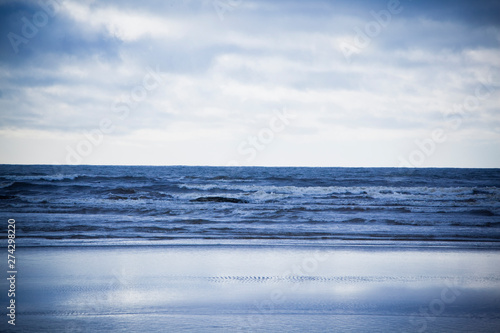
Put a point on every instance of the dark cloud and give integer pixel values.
(34, 36)
(476, 13)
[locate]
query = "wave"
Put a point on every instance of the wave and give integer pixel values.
(397, 209)
(49, 178)
(372, 191)
(75, 178)
(323, 205)
(480, 191)
(122, 190)
(219, 199)
(355, 220)
(481, 212)
(29, 186)
(193, 221)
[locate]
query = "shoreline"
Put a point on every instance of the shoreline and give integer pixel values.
(438, 244)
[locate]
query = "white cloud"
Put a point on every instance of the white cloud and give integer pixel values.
(124, 24)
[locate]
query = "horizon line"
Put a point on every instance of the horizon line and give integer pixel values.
(246, 166)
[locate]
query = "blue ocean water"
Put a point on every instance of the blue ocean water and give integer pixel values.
(109, 205)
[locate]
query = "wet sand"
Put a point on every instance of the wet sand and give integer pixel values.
(255, 289)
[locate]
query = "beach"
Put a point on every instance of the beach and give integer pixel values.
(257, 289)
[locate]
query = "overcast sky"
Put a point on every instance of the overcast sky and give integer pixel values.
(243, 82)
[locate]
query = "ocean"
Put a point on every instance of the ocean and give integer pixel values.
(249, 249)
(141, 205)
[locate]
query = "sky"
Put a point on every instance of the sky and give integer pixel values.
(243, 82)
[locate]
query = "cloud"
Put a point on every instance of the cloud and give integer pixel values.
(221, 80)
(34, 33)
